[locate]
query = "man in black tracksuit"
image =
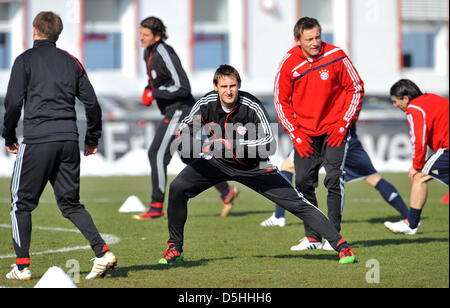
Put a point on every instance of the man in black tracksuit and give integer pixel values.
(45, 81)
(239, 142)
(169, 85)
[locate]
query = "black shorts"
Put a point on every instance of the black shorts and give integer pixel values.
(437, 166)
(357, 162)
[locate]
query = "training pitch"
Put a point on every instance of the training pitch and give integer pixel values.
(234, 252)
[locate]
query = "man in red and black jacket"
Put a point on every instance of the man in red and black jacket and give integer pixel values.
(317, 96)
(169, 86)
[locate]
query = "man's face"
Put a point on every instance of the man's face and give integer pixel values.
(227, 87)
(400, 103)
(310, 42)
(147, 38)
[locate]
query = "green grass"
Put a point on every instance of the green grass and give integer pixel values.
(235, 252)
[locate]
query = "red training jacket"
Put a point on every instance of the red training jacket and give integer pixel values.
(314, 95)
(428, 122)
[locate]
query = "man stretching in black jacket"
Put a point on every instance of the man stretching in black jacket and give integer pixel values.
(239, 142)
(169, 85)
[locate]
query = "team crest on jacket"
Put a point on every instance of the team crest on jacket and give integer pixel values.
(324, 74)
(241, 130)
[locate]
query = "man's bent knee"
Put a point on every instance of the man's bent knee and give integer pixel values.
(420, 178)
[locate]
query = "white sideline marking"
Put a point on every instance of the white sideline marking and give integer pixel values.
(52, 200)
(110, 239)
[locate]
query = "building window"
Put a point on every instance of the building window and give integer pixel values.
(423, 23)
(5, 36)
(103, 50)
(418, 49)
(420, 43)
(5, 48)
(103, 35)
(211, 34)
(211, 50)
(322, 11)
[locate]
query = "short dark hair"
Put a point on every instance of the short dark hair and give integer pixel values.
(226, 70)
(305, 23)
(405, 87)
(156, 26)
(48, 25)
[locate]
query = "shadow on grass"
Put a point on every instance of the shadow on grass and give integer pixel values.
(376, 220)
(398, 241)
(123, 271)
(323, 256)
(234, 214)
(381, 220)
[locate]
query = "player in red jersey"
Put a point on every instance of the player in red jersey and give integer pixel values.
(427, 116)
(317, 97)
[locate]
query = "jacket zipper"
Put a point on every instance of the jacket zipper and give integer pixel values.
(149, 63)
(238, 159)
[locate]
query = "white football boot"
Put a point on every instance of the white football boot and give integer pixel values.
(102, 265)
(272, 221)
(305, 244)
(401, 226)
(16, 274)
(327, 246)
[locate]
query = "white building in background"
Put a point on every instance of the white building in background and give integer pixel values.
(385, 39)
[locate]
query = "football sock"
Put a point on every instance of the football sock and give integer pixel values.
(221, 186)
(342, 244)
(104, 250)
(21, 267)
(279, 211)
(391, 196)
(22, 263)
(156, 207)
(414, 217)
(225, 192)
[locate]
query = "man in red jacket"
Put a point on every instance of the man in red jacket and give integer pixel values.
(317, 96)
(427, 116)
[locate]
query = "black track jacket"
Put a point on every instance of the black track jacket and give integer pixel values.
(45, 80)
(166, 77)
(246, 131)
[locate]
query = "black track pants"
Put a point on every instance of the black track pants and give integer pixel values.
(201, 174)
(36, 164)
(307, 177)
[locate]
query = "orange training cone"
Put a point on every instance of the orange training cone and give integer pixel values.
(445, 199)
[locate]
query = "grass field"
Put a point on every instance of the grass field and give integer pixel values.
(235, 252)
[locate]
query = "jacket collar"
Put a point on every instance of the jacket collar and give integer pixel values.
(153, 47)
(218, 107)
(38, 43)
(298, 50)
